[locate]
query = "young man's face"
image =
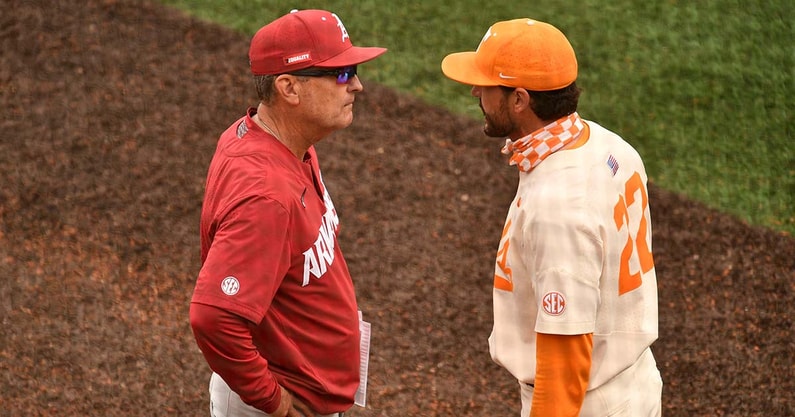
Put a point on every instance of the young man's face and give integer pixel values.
(494, 104)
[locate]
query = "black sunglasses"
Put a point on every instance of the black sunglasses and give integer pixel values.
(343, 74)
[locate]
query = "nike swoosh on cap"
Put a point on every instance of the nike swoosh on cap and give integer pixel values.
(507, 77)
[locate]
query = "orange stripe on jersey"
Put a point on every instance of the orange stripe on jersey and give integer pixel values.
(563, 367)
(582, 139)
(505, 281)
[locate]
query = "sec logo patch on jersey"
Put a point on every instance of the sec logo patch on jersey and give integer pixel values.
(554, 303)
(230, 285)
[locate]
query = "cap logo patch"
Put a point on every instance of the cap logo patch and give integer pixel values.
(230, 285)
(554, 303)
(297, 59)
(485, 37)
(342, 28)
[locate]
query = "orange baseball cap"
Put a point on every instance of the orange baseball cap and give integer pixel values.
(302, 39)
(522, 53)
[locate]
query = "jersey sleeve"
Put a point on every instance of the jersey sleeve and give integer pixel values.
(248, 259)
(563, 370)
(226, 343)
(567, 254)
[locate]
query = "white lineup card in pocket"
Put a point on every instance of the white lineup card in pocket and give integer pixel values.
(360, 398)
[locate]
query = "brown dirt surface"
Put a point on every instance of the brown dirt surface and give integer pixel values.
(110, 113)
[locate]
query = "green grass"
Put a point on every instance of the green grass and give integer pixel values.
(703, 89)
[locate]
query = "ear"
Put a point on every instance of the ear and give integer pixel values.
(519, 100)
(288, 87)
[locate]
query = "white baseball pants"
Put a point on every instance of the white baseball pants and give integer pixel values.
(226, 403)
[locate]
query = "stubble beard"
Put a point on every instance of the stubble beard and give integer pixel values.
(497, 125)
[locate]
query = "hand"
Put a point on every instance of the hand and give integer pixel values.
(285, 404)
(290, 406)
(300, 409)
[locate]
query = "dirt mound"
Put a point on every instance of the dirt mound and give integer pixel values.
(110, 113)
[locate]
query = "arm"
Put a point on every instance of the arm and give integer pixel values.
(221, 325)
(563, 366)
(225, 342)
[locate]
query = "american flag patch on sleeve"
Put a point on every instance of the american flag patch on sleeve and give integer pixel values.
(612, 164)
(242, 129)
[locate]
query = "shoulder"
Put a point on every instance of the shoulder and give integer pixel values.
(242, 170)
(607, 141)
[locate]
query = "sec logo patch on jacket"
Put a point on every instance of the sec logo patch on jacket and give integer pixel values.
(554, 303)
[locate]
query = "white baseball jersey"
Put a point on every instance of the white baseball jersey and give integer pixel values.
(575, 258)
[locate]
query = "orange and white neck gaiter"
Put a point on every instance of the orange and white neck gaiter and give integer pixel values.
(530, 150)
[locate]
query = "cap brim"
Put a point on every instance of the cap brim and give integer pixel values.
(354, 55)
(461, 67)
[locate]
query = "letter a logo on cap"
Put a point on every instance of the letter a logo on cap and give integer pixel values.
(485, 37)
(342, 27)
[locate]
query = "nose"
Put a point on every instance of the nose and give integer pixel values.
(476, 90)
(355, 85)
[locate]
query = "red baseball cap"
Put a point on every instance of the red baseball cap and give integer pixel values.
(302, 39)
(523, 53)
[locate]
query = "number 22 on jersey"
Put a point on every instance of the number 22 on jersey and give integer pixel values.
(637, 246)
